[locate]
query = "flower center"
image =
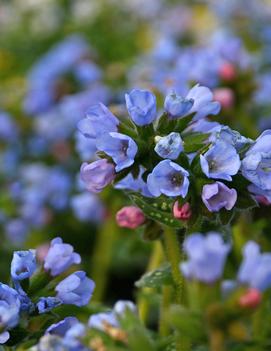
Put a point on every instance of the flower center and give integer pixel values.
(176, 179)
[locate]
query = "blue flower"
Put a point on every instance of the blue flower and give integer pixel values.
(99, 120)
(120, 147)
(46, 304)
(256, 166)
(168, 178)
(76, 289)
(231, 137)
(206, 257)
(169, 146)
(87, 207)
(9, 310)
(177, 106)
(221, 161)
(62, 327)
(60, 257)
(23, 264)
(100, 320)
(255, 269)
(141, 105)
(217, 195)
(97, 175)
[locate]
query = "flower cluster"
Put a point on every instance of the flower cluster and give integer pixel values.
(37, 290)
(177, 155)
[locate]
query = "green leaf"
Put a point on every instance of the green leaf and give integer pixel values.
(194, 141)
(159, 210)
(157, 278)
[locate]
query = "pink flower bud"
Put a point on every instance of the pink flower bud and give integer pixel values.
(130, 217)
(41, 251)
(227, 71)
(183, 212)
(251, 299)
(262, 200)
(225, 96)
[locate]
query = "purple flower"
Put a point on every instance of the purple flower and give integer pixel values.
(76, 289)
(217, 195)
(46, 304)
(206, 257)
(256, 166)
(120, 147)
(99, 120)
(23, 264)
(60, 257)
(141, 105)
(168, 178)
(169, 146)
(177, 106)
(9, 310)
(97, 175)
(221, 161)
(255, 269)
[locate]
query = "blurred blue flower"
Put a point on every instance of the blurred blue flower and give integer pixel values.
(206, 257)
(168, 178)
(87, 207)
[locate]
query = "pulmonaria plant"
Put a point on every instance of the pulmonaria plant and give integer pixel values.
(161, 155)
(36, 290)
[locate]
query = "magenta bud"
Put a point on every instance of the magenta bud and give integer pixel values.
(130, 217)
(251, 299)
(262, 200)
(227, 71)
(182, 212)
(225, 96)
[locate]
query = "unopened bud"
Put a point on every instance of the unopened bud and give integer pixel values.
(227, 72)
(182, 212)
(251, 299)
(130, 217)
(225, 96)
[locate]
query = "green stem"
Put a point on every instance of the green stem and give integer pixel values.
(166, 299)
(173, 252)
(143, 300)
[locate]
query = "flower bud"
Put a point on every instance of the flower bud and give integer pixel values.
(182, 212)
(130, 217)
(227, 72)
(251, 299)
(225, 96)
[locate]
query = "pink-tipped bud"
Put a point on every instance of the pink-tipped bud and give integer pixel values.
(182, 212)
(227, 72)
(262, 200)
(225, 96)
(130, 217)
(251, 299)
(41, 251)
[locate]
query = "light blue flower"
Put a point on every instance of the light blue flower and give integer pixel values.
(99, 120)
(141, 105)
(177, 106)
(23, 264)
(256, 166)
(221, 161)
(168, 178)
(60, 257)
(120, 147)
(76, 289)
(169, 146)
(206, 257)
(255, 269)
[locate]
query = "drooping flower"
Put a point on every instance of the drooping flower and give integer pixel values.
(217, 195)
(141, 105)
(169, 146)
(97, 175)
(9, 310)
(99, 120)
(23, 264)
(120, 147)
(60, 257)
(168, 178)
(221, 161)
(76, 289)
(177, 106)
(256, 166)
(206, 257)
(255, 269)
(130, 217)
